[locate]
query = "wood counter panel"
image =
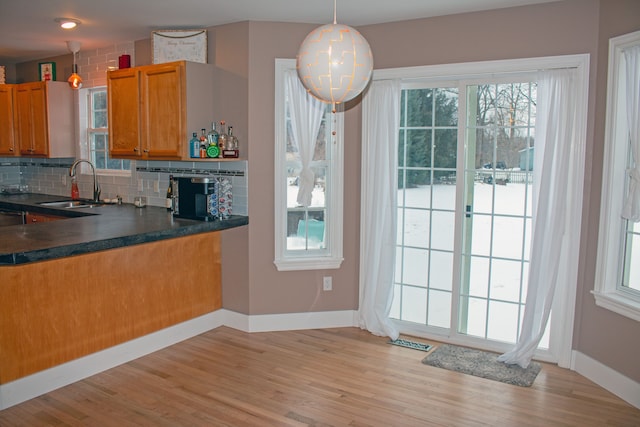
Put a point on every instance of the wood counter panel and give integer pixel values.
(55, 311)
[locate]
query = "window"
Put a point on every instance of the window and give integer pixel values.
(306, 237)
(97, 141)
(617, 285)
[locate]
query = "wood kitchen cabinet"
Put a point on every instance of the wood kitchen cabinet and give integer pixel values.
(7, 139)
(43, 119)
(154, 109)
(56, 311)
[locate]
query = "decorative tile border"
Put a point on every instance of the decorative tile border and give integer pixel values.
(61, 163)
(190, 171)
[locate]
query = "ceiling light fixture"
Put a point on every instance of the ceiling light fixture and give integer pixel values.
(67, 23)
(334, 62)
(74, 80)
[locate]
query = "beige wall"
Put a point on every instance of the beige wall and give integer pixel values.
(567, 27)
(599, 333)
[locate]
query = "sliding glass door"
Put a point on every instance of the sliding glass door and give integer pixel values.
(464, 208)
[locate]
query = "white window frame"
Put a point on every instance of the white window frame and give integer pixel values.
(85, 109)
(331, 256)
(608, 291)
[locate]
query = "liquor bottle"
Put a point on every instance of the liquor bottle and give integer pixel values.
(232, 142)
(213, 135)
(222, 137)
(194, 146)
(169, 200)
(203, 144)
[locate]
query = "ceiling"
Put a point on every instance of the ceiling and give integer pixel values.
(28, 30)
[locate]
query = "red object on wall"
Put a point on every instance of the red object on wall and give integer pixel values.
(124, 61)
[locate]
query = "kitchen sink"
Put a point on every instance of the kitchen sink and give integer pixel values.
(69, 204)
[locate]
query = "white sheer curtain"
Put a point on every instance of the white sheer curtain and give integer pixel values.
(378, 217)
(557, 207)
(631, 210)
(306, 116)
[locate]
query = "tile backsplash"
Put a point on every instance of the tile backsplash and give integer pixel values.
(147, 178)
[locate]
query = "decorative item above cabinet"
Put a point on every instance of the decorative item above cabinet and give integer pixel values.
(154, 109)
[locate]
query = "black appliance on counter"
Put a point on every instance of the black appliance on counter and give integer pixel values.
(195, 198)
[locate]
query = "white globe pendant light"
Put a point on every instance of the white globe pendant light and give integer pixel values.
(334, 62)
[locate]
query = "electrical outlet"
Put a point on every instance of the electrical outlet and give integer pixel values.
(327, 284)
(63, 179)
(140, 185)
(156, 186)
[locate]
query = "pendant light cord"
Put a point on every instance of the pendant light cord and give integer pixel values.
(334, 12)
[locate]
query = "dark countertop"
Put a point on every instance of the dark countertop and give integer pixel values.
(91, 229)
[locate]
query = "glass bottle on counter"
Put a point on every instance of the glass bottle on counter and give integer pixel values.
(75, 192)
(223, 137)
(232, 142)
(203, 144)
(213, 135)
(194, 146)
(169, 200)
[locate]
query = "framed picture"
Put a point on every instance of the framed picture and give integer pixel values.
(47, 71)
(177, 45)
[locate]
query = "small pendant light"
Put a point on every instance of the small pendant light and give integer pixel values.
(74, 80)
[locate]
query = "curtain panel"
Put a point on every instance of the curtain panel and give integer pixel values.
(557, 207)
(378, 218)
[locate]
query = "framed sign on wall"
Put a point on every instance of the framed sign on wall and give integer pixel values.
(177, 45)
(47, 71)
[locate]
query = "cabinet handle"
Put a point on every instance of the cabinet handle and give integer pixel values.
(135, 149)
(10, 149)
(146, 151)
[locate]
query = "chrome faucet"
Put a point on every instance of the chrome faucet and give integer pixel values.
(96, 189)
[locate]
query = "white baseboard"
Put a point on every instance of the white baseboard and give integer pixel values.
(613, 381)
(48, 380)
(291, 321)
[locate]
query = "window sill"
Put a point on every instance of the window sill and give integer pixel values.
(307, 264)
(618, 303)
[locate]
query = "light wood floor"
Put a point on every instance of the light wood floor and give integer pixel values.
(339, 377)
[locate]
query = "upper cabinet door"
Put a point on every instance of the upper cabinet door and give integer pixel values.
(7, 138)
(124, 113)
(40, 119)
(31, 126)
(163, 109)
(43, 120)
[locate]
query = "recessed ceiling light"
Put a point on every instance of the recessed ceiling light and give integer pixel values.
(67, 23)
